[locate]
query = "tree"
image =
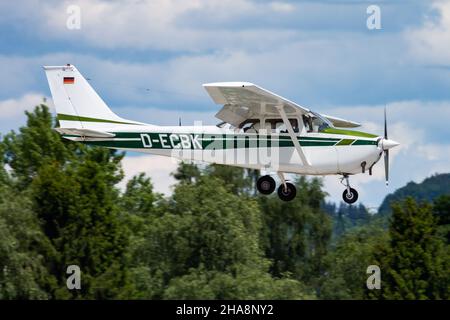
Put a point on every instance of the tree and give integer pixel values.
(187, 172)
(77, 205)
(205, 244)
(247, 283)
(139, 197)
(72, 192)
(296, 234)
(441, 209)
(237, 180)
(347, 263)
(35, 145)
(24, 250)
(415, 264)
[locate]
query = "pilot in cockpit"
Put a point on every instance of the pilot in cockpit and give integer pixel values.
(307, 121)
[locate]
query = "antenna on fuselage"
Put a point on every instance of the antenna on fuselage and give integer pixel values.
(179, 121)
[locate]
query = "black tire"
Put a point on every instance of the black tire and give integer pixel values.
(289, 193)
(266, 185)
(350, 198)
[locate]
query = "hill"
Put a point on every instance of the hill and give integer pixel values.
(428, 189)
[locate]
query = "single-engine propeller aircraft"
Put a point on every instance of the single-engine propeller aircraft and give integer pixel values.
(259, 130)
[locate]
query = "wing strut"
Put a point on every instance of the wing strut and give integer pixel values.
(290, 130)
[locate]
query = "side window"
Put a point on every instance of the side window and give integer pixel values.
(277, 125)
(250, 126)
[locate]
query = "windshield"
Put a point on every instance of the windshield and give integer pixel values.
(314, 122)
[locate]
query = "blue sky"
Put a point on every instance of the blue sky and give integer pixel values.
(148, 59)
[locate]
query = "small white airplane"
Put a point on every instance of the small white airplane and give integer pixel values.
(259, 130)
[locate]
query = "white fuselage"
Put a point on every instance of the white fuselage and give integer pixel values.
(328, 153)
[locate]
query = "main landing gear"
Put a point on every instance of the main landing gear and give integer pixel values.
(286, 191)
(349, 195)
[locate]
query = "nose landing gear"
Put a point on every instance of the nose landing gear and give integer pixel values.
(349, 195)
(287, 191)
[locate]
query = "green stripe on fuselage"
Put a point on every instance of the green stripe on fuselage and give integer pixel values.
(345, 142)
(213, 141)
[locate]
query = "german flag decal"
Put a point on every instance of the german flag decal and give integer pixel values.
(69, 80)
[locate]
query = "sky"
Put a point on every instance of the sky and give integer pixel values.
(148, 59)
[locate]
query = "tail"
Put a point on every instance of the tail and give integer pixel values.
(77, 104)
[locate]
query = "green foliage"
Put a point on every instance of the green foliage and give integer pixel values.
(203, 226)
(23, 250)
(348, 262)
(139, 197)
(247, 283)
(35, 145)
(71, 191)
(415, 264)
(187, 172)
(441, 209)
(76, 205)
(346, 217)
(297, 233)
(236, 179)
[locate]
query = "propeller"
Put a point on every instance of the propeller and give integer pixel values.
(386, 152)
(386, 144)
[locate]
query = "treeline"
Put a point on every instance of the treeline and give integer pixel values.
(213, 238)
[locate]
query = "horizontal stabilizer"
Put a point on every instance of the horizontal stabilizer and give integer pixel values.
(85, 133)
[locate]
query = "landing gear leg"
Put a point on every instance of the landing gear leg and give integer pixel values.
(349, 195)
(286, 190)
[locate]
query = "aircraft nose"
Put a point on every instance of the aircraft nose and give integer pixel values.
(388, 144)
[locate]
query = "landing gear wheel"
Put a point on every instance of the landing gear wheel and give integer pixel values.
(351, 197)
(288, 193)
(266, 184)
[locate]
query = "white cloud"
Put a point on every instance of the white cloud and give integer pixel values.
(158, 24)
(431, 42)
(158, 168)
(433, 152)
(12, 108)
(12, 111)
(282, 6)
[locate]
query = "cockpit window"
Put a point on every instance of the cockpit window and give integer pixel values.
(314, 122)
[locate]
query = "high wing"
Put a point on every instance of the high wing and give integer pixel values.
(341, 123)
(245, 100)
